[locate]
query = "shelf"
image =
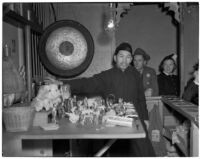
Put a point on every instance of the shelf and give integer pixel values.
(187, 109)
(19, 21)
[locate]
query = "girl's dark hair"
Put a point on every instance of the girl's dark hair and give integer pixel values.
(123, 46)
(162, 63)
(196, 67)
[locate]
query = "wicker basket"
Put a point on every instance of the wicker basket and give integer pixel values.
(18, 117)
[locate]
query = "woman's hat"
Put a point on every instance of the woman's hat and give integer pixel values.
(140, 51)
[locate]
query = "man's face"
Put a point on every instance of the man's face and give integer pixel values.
(139, 62)
(123, 59)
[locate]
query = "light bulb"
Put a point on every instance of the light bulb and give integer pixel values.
(111, 24)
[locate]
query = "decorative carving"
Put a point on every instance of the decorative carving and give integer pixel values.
(121, 9)
(115, 13)
(174, 7)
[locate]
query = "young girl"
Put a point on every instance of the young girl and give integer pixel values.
(168, 82)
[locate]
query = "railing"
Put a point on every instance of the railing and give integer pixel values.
(45, 16)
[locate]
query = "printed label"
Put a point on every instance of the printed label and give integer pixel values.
(155, 135)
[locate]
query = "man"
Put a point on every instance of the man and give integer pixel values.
(140, 59)
(122, 81)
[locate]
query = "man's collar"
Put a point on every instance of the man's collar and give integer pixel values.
(141, 71)
(119, 69)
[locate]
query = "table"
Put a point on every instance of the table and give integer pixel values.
(12, 141)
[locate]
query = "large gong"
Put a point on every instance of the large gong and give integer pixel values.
(66, 48)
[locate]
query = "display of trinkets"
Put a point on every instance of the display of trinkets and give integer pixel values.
(83, 111)
(88, 111)
(95, 111)
(51, 97)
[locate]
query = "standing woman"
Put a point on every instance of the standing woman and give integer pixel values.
(168, 83)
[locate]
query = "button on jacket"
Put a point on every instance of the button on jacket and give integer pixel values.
(150, 80)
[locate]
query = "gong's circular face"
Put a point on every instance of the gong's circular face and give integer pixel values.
(66, 48)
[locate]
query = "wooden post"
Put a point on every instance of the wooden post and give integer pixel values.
(28, 58)
(20, 46)
(194, 140)
(112, 47)
(181, 49)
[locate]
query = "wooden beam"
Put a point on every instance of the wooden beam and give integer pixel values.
(181, 49)
(20, 21)
(28, 59)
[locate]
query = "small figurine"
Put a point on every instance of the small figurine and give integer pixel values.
(79, 103)
(54, 114)
(65, 91)
(110, 100)
(71, 103)
(74, 101)
(85, 102)
(120, 101)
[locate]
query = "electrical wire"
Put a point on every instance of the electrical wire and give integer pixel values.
(54, 13)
